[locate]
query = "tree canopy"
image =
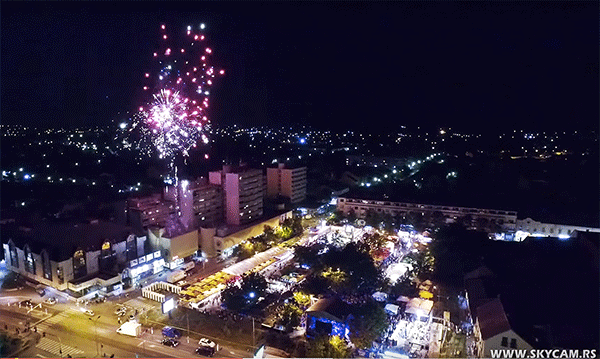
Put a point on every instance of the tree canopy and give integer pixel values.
(244, 295)
(328, 347)
(369, 323)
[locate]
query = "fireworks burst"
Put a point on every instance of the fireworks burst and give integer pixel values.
(176, 116)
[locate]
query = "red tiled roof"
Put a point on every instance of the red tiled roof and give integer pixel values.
(492, 319)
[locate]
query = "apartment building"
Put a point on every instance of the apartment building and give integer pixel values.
(243, 193)
(505, 219)
(153, 210)
(287, 182)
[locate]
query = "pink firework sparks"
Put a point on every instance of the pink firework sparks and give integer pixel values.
(176, 114)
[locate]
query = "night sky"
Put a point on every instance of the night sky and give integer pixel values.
(360, 65)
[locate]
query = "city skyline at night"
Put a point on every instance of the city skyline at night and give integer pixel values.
(474, 66)
(385, 180)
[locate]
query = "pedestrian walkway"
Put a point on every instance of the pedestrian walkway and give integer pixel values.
(49, 322)
(56, 348)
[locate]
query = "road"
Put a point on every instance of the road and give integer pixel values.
(68, 330)
(64, 329)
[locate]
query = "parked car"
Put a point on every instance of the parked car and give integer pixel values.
(89, 312)
(170, 342)
(27, 303)
(207, 343)
(205, 351)
(171, 333)
(50, 301)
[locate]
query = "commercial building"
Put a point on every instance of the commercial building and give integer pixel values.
(526, 227)
(222, 240)
(78, 257)
(287, 182)
(243, 193)
(175, 243)
(361, 207)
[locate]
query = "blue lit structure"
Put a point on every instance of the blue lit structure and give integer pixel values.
(329, 316)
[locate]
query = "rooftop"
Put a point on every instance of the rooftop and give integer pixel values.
(62, 238)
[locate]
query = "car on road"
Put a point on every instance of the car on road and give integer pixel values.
(121, 311)
(171, 333)
(27, 303)
(207, 343)
(89, 312)
(170, 342)
(131, 317)
(50, 301)
(205, 351)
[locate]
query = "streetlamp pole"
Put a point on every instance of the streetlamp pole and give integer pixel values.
(96, 332)
(253, 332)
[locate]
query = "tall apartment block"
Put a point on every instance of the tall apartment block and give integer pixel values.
(243, 193)
(287, 182)
(149, 211)
(207, 203)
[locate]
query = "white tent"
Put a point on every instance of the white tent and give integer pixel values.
(392, 308)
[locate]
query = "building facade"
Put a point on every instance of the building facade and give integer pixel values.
(360, 207)
(80, 257)
(492, 330)
(207, 203)
(152, 210)
(287, 182)
(526, 227)
(243, 193)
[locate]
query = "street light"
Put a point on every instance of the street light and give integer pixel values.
(96, 331)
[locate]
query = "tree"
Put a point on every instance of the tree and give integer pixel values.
(243, 296)
(328, 347)
(302, 299)
(404, 287)
(371, 242)
(456, 251)
(482, 223)
(437, 219)
(297, 228)
(351, 216)
(369, 323)
(361, 273)
(290, 316)
(308, 255)
(373, 218)
(269, 233)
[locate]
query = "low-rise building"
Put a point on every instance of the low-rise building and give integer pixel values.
(328, 316)
(526, 227)
(492, 331)
(221, 241)
(361, 207)
(79, 257)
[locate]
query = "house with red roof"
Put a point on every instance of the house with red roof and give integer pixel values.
(493, 331)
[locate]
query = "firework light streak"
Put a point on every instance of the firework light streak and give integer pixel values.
(175, 117)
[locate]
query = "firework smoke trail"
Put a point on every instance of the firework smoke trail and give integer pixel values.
(176, 116)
